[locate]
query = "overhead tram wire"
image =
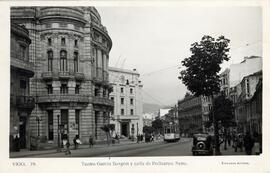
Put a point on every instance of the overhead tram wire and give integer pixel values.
(156, 71)
(156, 100)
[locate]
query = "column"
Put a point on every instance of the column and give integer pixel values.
(55, 124)
(71, 120)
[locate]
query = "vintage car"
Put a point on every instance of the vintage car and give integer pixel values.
(202, 144)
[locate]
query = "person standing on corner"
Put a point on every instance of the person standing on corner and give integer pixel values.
(91, 141)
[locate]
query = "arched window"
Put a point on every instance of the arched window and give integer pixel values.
(63, 60)
(76, 62)
(50, 60)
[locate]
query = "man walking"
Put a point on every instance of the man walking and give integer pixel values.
(248, 143)
(91, 141)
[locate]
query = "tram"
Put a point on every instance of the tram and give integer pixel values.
(171, 133)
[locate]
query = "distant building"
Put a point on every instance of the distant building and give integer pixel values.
(162, 113)
(190, 114)
(225, 82)
(248, 66)
(127, 115)
(147, 122)
(172, 117)
(206, 110)
(148, 118)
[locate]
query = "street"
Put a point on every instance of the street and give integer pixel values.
(157, 148)
(160, 148)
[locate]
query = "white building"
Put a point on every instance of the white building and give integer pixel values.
(247, 67)
(127, 96)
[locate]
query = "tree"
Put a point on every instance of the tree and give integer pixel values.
(148, 129)
(107, 128)
(157, 125)
(223, 111)
(202, 67)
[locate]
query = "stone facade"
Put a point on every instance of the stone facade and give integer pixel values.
(70, 51)
(21, 70)
(127, 96)
(190, 115)
(245, 110)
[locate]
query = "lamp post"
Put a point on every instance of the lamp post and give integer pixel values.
(58, 135)
(137, 129)
(38, 119)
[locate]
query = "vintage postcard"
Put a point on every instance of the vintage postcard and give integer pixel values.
(134, 86)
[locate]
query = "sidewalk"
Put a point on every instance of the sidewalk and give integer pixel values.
(27, 153)
(230, 151)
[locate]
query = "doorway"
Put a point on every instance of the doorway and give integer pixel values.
(125, 129)
(22, 132)
(64, 124)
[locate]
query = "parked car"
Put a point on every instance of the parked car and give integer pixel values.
(202, 144)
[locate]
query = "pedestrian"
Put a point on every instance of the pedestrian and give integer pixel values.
(256, 143)
(117, 138)
(67, 148)
(248, 143)
(17, 143)
(76, 141)
(91, 141)
(235, 143)
(229, 139)
(240, 142)
(152, 137)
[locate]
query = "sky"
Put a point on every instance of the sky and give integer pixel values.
(155, 40)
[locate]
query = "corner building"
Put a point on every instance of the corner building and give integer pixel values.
(70, 51)
(21, 70)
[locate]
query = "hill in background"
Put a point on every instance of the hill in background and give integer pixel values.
(150, 107)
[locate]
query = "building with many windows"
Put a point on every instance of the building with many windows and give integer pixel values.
(127, 115)
(21, 102)
(190, 115)
(247, 107)
(70, 52)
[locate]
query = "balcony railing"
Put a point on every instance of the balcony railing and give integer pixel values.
(47, 75)
(64, 74)
(103, 101)
(101, 76)
(63, 98)
(128, 117)
(25, 102)
(79, 76)
(26, 66)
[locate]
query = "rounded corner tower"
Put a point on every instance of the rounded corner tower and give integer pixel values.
(70, 52)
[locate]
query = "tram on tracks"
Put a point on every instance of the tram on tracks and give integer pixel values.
(171, 133)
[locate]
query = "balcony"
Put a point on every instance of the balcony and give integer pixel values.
(22, 66)
(47, 75)
(103, 101)
(63, 98)
(128, 117)
(101, 77)
(79, 76)
(25, 102)
(64, 75)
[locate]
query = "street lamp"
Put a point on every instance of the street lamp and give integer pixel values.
(137, 129)
(38, 119)
(58, 135)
